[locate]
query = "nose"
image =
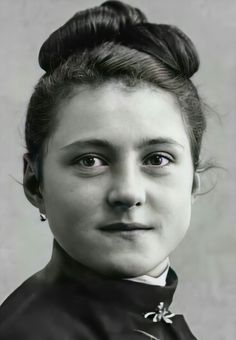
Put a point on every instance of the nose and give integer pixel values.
(127, 190)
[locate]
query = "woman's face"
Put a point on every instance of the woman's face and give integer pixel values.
(118, 178)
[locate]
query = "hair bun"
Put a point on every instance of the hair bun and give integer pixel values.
(87, 29)
(117, 22)
(167, 44)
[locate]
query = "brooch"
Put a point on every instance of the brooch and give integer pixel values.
(161, 313)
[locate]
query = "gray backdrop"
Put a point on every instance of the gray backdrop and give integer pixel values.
(205, 261)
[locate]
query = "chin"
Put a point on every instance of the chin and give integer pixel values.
(126, 269)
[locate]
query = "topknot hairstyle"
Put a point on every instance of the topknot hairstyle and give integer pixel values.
(113, 41)
(122, 24)
(86, 30)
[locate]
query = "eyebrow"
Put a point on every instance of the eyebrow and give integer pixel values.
(103, 143)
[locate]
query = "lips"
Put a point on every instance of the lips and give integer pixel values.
(119, 227)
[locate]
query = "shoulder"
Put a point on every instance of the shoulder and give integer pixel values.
(20, 307)
(42, 310)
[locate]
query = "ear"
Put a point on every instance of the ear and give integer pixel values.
(31, 185)
(196, 186)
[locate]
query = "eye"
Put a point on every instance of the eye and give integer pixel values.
(90, 161)
(157, 160)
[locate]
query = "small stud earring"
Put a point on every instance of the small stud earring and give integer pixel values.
(43, 217)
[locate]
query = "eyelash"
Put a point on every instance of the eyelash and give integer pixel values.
(165, 156)
(87, 156)
(169, 158)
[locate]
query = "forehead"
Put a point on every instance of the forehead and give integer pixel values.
(118, 113)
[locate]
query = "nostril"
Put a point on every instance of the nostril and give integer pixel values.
(124, 200)
(127, 204)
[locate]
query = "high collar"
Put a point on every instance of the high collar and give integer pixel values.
(132, 295)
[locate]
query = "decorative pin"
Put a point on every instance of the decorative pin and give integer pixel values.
(161, 313)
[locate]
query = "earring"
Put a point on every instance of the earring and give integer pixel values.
(43, 217)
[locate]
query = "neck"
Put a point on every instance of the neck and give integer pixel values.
(62, 262)
(157, 271)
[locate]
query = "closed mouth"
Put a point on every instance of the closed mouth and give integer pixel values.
(119, 227)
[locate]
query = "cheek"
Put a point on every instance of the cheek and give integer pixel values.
(172, 201)
(70, 200)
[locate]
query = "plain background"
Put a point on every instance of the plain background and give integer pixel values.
(205, 260)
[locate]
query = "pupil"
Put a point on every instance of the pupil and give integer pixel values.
(89, 161)
(156, 160)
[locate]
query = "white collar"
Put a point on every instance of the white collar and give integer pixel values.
(154, 281)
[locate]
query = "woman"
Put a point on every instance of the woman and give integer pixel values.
(113, 132)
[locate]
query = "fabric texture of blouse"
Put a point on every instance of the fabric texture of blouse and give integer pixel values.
(60, 306)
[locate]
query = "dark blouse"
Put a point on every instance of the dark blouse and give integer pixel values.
(56, 305)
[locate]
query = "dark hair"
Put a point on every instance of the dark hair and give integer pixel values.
(113, 41)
